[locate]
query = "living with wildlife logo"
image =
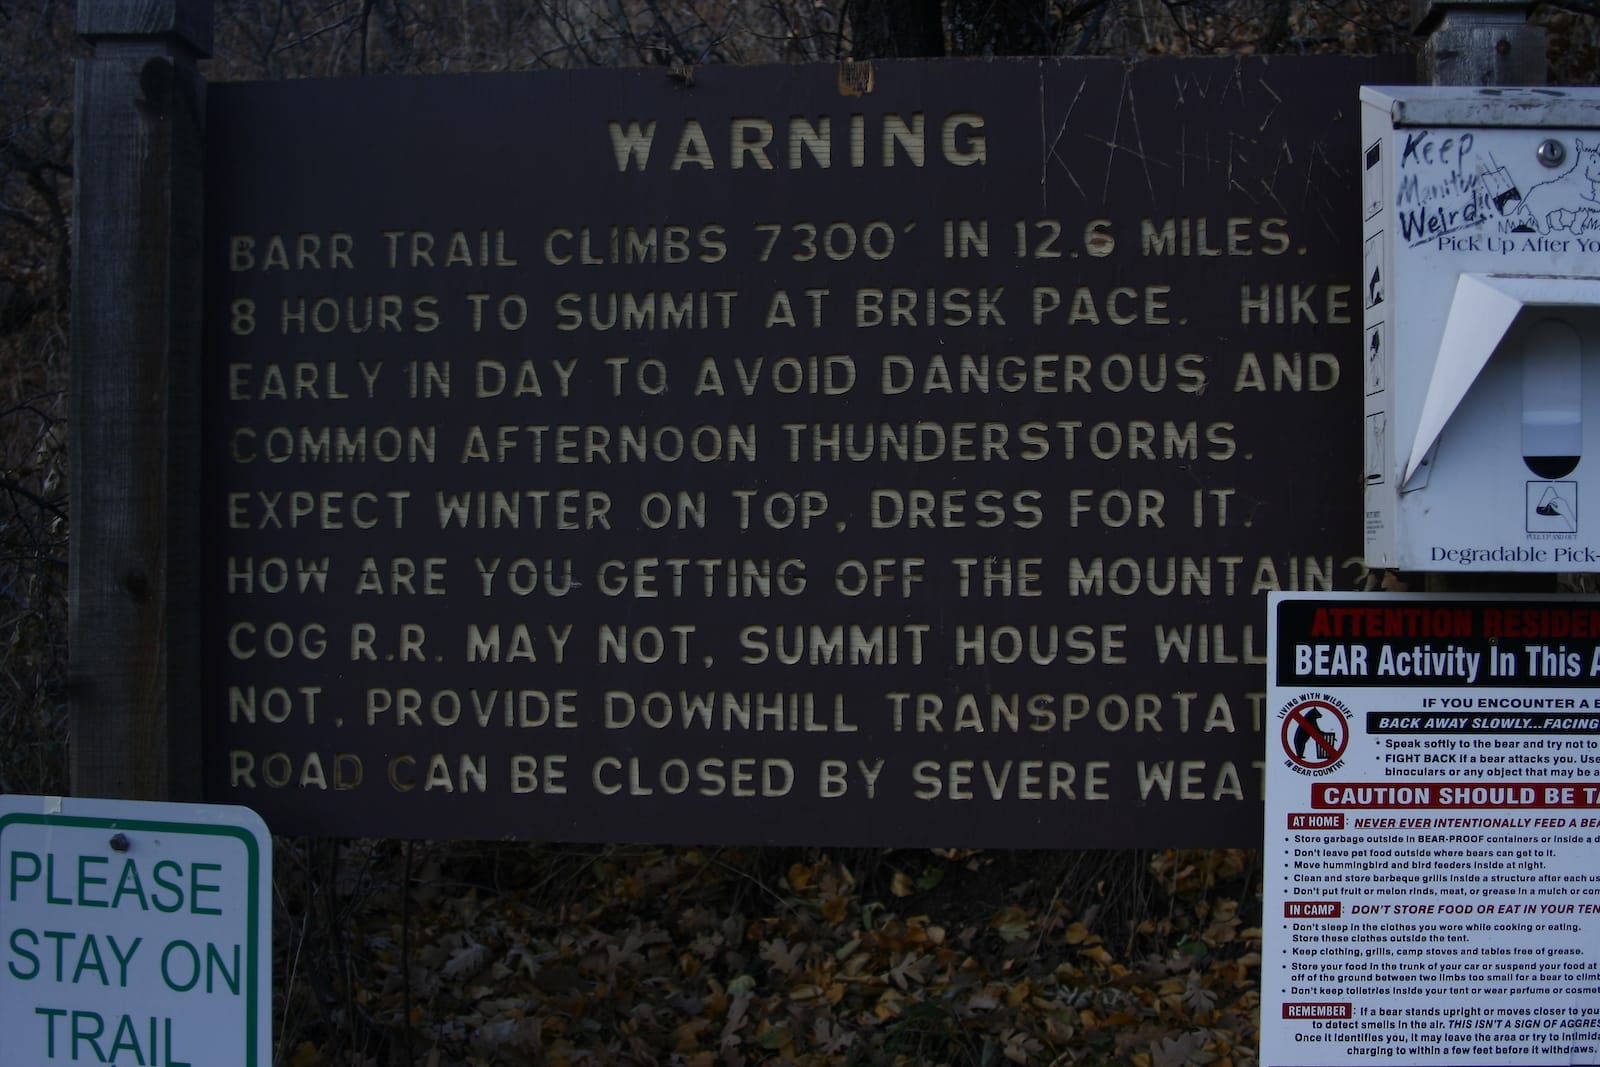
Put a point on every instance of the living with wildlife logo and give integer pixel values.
(1314, 731)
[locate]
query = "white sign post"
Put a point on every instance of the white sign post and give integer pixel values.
(1432, 889)
(134, 933)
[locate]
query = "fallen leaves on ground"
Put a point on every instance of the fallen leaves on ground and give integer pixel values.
(699, 958)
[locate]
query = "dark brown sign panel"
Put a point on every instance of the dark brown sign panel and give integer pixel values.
(782, 455)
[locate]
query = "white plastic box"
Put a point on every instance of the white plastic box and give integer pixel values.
(1481, 357)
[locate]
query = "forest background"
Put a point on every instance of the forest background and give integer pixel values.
(402, 953)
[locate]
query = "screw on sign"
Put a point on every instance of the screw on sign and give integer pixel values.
(1314, 734)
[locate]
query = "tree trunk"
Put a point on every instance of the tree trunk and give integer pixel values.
(999, 27)
(888, 29)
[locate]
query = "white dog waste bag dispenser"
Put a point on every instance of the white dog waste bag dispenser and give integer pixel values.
(1481, 289)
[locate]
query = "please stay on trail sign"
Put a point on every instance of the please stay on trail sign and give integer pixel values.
(134, 933)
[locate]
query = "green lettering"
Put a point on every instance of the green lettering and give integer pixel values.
(130, 885)
(50, 1015)
(216, 965)
(123, 959)
(18, 950)
(167, 1030)
(90, 1036)
(90, 949)
(17, 876)
(127, 1040)
(194, 966)
(85, 879)
(197, 887)
(50, 882)
(176, 887)
(60, 937)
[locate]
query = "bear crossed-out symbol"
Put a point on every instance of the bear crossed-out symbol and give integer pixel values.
(1310, 741)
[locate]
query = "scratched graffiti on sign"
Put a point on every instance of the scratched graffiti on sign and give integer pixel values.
(755, 462)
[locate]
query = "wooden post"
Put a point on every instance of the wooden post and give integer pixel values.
(137, 198)
(1479, 42)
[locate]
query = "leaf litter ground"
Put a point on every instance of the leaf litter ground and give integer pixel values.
(438, 955)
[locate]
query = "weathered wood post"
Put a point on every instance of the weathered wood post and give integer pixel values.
(1479, 42)
(134, 665)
